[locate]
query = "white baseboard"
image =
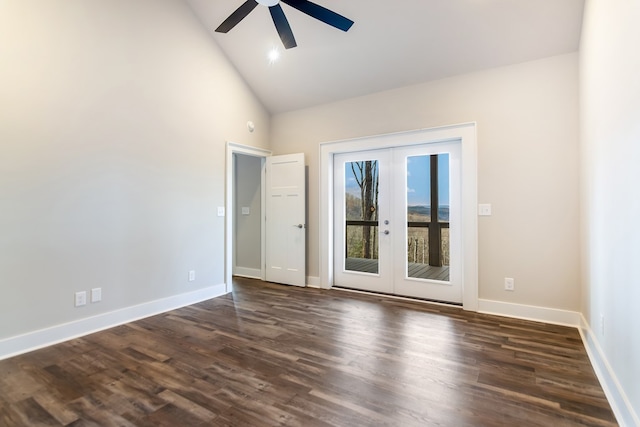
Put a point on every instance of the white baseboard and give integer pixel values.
(530, 312)
(250, 273)
(20, 344)
(620, 404)
(313, 282)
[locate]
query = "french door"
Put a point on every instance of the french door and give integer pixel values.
(397, 222)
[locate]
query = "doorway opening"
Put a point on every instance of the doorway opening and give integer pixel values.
(397, 221)
(247, 216)
(462, 135)
(251, 184)
(265, 224)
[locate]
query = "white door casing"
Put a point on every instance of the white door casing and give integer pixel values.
(296, 258)
(234, 148)
(285, 220)
(392, 276)
(466, 135)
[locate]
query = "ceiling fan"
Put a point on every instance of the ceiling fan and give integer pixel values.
(280, 20)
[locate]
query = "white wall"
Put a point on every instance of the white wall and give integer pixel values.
(113, 121)
(248, 228)
(527, 119)
(610, 173)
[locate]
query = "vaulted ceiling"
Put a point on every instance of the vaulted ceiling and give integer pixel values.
(393, 43)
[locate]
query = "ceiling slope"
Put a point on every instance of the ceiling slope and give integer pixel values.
(392, 44)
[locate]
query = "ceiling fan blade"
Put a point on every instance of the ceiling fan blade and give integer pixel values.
(237, 16)
(320, 13)
(283, 27)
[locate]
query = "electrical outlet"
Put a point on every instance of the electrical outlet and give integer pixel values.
(192, 275)
(509, 284)
(81, 298)
(96, 295)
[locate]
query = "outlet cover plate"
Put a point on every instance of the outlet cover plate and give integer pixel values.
(81, 298)
(509, 284)
(96, 295)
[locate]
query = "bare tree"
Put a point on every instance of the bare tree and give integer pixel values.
(366, 175)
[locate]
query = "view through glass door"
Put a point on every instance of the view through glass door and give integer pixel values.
(362, 219)
(397, 221)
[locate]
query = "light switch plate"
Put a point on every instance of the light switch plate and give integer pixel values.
(246, 210)
(220, 210)
(484, 209)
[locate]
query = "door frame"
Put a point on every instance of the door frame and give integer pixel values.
(464, 133)
(231, 149)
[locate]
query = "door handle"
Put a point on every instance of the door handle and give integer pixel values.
(386, 232)
(299, 225)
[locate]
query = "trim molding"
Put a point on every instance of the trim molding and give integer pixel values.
(35, 340)
(530, 312)
(466, 134)
(613, 390)
(231, 149)
(313, 282)
(620, 404)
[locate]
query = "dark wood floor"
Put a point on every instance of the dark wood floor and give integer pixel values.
(270, 355)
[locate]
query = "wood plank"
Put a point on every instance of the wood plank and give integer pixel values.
(279, 355)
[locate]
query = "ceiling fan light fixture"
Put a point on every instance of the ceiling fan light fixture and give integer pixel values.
(273, 55)
(268, 3)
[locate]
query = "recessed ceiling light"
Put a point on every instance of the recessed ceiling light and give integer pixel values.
(274, 55)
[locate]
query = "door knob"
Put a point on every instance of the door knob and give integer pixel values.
(386, 231)
(299, 225)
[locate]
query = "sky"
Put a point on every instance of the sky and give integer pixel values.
(418, 187)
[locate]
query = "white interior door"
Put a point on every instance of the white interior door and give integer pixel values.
(397, 221)
(285, 220)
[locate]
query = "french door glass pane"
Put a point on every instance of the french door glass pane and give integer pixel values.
(428, 217)
(361, 219)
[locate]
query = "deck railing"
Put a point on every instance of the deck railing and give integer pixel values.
(427, 243)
